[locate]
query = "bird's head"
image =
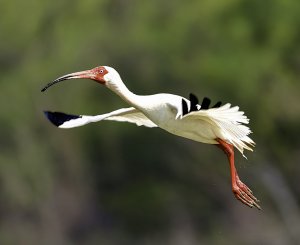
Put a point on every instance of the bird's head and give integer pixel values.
(101, 74)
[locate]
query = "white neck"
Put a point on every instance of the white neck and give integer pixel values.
(120, 89)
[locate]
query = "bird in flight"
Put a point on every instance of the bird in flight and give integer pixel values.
(221, 125)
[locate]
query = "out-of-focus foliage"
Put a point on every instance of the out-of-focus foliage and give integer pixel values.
(114, 183)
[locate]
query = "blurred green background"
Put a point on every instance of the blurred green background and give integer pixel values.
(115, 183)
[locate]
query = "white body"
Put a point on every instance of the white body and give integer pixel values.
(165, 111)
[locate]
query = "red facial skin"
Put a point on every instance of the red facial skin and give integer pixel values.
(97, 74)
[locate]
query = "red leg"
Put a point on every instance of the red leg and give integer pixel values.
(240, 190)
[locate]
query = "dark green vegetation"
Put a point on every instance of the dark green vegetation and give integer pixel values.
(115, 183)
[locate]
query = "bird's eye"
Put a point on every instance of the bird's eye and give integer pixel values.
(101, 71)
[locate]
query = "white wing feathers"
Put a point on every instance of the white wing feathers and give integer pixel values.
(227, 123)
(131, 115)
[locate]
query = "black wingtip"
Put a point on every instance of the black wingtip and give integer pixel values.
(185, 109)
(59, 118)
(218, 104)
(194, 102)
(194, 98)
(205, 103)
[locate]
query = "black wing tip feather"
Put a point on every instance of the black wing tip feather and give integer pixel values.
(205, 105)
(194, 102)
(218, 104)
(193, 98)
(185, 109)
(59, 118)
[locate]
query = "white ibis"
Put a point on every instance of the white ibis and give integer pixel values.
(223, 126)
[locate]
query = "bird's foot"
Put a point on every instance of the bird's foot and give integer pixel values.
(244, 194)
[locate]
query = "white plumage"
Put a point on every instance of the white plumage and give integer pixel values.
(130, 115)
(203, 126)
(224, 125)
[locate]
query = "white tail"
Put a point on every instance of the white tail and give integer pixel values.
(231, 121)
(228, 125)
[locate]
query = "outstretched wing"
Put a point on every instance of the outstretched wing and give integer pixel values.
(132, 115)
(227, 123)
